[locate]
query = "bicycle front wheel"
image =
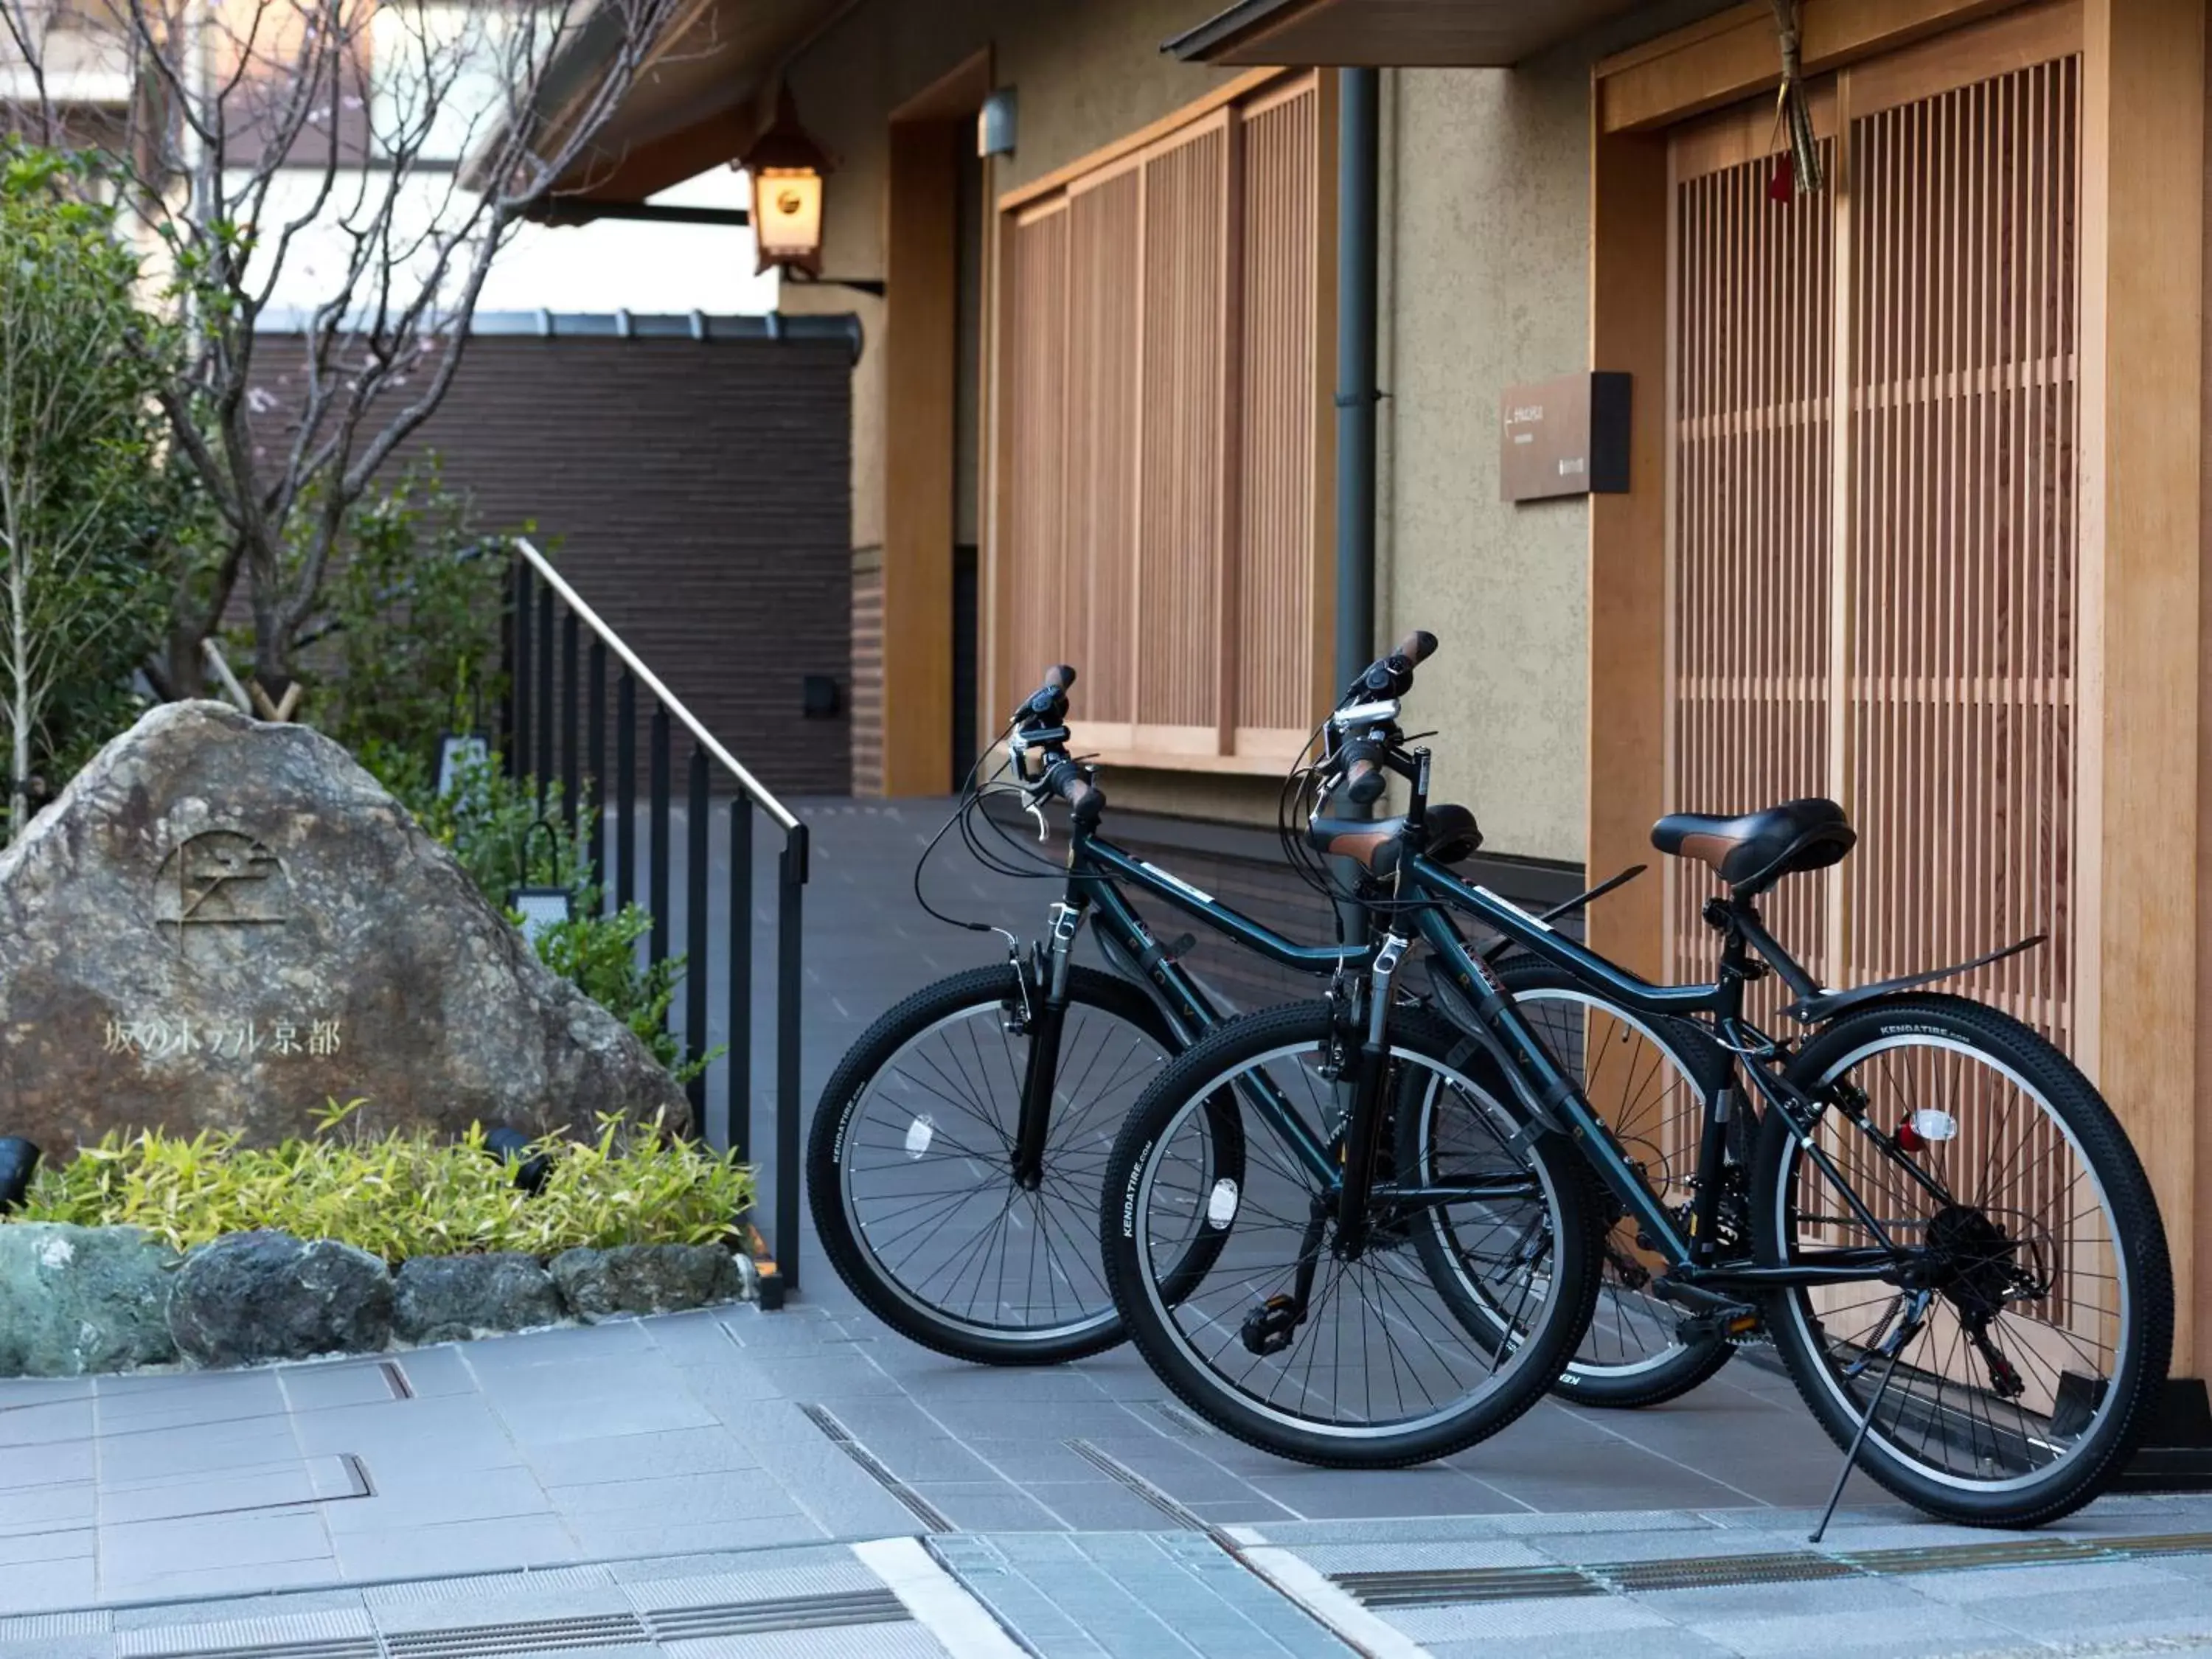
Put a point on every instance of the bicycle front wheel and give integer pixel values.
(1958, 1137)
(1293, 1340)
(909, 1166)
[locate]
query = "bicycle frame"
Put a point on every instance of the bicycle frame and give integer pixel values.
(1095, 867)
(1552, 1097)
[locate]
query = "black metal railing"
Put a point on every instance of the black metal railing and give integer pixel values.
(557, 728)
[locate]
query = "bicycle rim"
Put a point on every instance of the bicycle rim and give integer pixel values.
(1381, 1353)
(2031, 1238)
(1645, 1092)
(925, 1158)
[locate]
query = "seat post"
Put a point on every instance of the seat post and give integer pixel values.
(1751, 931)
(1725, 917)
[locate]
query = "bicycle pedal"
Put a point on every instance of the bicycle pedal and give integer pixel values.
(1268, 1329)
(1739, 1324)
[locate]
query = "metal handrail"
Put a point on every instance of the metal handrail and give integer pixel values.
(759, 792)
(537, 591)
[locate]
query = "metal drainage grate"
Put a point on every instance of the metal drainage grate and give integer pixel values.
(840, 1436)
(1453, 1586)
(598, 1630)
(1957, 1558)
(877, 1607)
(2171, 1543)
(1444, 1587)
(1187, 1424)
(335, 1647)
(1170, 1507)
(1700, 1571)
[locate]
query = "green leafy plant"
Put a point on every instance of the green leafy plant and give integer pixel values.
(408, 629)
(598, 955)
(85, 499)
(401, 1194)
(495, 825)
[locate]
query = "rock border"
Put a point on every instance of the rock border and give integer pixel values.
(90, 1301)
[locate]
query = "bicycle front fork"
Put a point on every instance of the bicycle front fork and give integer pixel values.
(1046, 1018)
(1369, 1120)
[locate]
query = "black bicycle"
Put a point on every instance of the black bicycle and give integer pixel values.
(1926, 1207)
(958, 1154)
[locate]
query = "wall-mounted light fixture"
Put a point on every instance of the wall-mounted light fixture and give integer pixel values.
(787, 168)
(994, 124)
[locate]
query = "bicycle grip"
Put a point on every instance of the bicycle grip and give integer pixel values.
(1364, 783)
(1085, 800)
(1418, 646)
(1364, 779)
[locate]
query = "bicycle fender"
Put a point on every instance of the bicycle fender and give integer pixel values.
(1814, 1011)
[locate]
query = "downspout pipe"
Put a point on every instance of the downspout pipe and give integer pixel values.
(1358, 237)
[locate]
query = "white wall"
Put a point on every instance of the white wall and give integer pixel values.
(609, 265)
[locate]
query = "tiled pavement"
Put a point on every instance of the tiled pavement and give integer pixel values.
(684, 1486)
(1088, 1514)
(722, 1431)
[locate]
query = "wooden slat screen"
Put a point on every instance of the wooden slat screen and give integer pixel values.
(1179, 496)
(1038, 486)
(1102, 391)
(1754, 372)
(1277, 535)
(1964, 536)
(1886, 614)
(1163, 426)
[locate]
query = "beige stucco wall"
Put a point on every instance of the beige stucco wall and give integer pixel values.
(1485, 284)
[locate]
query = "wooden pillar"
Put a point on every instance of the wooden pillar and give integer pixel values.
(921, 273)
(2144, 837)
(1629, 328)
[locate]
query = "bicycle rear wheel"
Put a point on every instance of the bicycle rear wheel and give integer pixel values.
(1985, 1152)
(1378, 1367)
(1649, 1081)
(910, 1166)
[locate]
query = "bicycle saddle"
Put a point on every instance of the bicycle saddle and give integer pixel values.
(1372, 843)
(1752, 852)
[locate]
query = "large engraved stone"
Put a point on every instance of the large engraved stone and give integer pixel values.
(223, 924)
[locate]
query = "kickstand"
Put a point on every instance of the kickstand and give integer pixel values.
(1893, 1349)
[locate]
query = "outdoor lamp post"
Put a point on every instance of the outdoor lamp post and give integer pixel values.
(786, 169)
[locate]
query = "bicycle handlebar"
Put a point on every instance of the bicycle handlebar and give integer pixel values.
(1392, 676)
(1363, 778)
(1048, 704)
(1085, 801)
(1359, 764)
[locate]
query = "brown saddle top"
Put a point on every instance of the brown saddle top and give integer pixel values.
(1753, 852)
(1449, 833)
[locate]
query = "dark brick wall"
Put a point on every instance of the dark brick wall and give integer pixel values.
(696, 493)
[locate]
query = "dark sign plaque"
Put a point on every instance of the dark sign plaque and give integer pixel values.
(1563, 437)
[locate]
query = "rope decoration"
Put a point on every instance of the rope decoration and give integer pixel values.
(1798, 169)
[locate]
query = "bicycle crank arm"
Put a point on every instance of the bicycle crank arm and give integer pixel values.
(1270, 1327)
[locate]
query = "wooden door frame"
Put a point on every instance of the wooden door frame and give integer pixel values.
(2144, 806)
(921, 305)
